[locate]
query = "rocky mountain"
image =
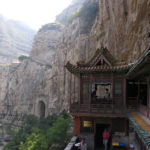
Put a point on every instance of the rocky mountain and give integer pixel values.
(15, 39)
(46, 40)
(64, 16)
(119, 25)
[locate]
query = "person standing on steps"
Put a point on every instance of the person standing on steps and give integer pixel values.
(82, 145)
(106, 137)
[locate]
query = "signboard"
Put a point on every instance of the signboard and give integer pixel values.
(87, 124)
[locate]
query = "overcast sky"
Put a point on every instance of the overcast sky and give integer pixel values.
(34, 13)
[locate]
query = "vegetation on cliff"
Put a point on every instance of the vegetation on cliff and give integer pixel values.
(52, 26)
(22, 57)
(87, 15)
(41, 134)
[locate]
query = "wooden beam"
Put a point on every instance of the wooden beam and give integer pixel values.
(98, 115)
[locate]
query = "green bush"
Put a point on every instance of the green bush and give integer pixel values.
(52, 26)
(57, 134)
(41, 134)
(22, 57)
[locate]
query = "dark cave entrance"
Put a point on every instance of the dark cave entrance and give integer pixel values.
(41, 108)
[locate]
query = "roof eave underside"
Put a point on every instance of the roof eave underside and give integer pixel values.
(96, 70)
(140, 63)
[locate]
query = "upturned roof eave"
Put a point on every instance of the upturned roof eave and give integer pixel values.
(134, 69)
(78, 70)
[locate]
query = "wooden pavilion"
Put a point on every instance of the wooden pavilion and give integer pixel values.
(102, 101)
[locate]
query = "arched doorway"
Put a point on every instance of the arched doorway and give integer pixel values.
(41, 109)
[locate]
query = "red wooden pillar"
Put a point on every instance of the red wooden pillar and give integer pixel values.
(76, 129)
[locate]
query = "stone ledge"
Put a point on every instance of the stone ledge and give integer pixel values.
(72, 142)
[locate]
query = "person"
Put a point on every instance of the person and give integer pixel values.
(107, 94)
(82, 145)
(94, 94)
(106, 137)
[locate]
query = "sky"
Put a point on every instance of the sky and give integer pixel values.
(34, 13)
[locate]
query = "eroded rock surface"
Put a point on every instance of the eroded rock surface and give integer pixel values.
(120, 25)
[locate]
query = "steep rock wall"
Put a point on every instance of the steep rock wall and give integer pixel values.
(120, 25)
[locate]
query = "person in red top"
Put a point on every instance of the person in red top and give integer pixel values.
(106, 137)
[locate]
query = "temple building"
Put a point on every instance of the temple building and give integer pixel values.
(111, 95)
(102, 97)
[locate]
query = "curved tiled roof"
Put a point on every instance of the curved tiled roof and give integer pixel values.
(95, 69)
(107, 64)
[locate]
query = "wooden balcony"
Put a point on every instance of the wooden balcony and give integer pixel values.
(103, 109)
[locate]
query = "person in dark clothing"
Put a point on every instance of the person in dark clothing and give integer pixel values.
(107, 94)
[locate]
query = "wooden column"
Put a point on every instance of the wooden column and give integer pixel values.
(76, 129)
(79, 86)
(70, 92)
(148, 90)
(81, 89)
(113, 90)
(126, 126)
(94, 127)
(74, 89)
(124, 93)
(138, 93)
(90, 92)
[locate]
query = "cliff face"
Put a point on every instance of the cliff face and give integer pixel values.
(121, 26)
(44, 44)
(64, 16)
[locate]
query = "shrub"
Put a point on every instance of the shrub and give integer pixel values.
(22, 57)
(57, 134)
(41, 134)
(52, 26)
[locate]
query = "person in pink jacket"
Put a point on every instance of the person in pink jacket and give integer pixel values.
(106, 137)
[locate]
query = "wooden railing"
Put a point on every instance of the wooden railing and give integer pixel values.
(97, 108)
(105, 107)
